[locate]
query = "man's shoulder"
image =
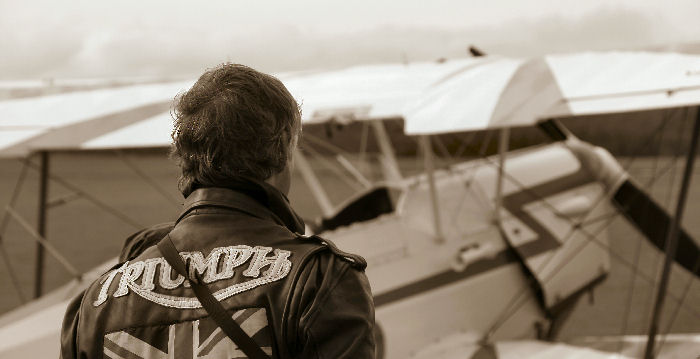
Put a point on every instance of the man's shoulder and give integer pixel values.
(143, 239)
(332, 295)
(325, 268)
(354, 261)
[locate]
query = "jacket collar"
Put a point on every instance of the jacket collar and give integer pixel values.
(255, 198)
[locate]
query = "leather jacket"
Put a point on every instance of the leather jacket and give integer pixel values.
(296, 296)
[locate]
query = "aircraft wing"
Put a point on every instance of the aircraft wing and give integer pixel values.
(368, 92)
(674, 345)
(600, 83)
(520, 92)
(434, 97)
(34, 329)
(467, 346)
(614, 347)
(139, 116)
(67, 120)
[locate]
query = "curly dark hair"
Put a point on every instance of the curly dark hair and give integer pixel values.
(234, 121)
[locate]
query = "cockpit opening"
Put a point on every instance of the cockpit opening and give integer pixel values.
(366, 206)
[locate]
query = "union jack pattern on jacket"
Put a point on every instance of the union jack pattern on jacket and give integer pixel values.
(191, 339)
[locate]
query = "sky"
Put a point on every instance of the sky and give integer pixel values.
(171, 38)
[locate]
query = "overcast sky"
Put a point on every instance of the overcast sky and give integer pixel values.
(99, 38)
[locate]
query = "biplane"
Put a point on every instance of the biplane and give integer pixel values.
(479, 259)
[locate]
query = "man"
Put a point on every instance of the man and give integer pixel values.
(296, 297)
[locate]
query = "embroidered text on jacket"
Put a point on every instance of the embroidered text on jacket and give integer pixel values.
(218, 265)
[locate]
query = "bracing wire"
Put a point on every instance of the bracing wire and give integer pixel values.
(15, 194)
(363, 142)
(626, 167)
(3, 225)
(637, 256)
(677, 310)
(515, 301)
(668, 199)
(341, 156)
(146, 178)
(113, 211)
(443, 150)
(481, 153)
(591, 238)
(44, 243)
(691, 280)
(12, 273)
(333, 169)
(325, 144)
(466, 142)
(516, 298)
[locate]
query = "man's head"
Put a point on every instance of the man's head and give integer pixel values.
(235, 121)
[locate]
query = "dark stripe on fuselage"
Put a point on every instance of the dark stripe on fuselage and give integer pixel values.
(514, 203)
(444, 278)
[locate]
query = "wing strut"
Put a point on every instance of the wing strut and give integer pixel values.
(3, 225)
(672, 238)
(41, 223)
(314, 184)
(503, 141)
(429, 164)
(389, 162)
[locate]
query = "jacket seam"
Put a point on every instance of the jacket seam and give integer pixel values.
(314, 314)
(292, 289)
(313, 343)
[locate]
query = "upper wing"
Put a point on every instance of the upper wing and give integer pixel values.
(516, 92)
(68, 120)
(367, 92)
(139, 116)
(599, 83)
(450, 96)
